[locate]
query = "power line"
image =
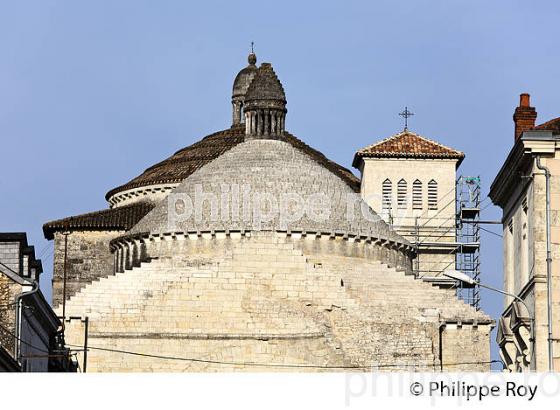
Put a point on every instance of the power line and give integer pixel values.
(256, 364)
(489, 231)
(487, 205)
(45, 248)
(10, 269)
(437, 203)
(9, 332)
(48, 255)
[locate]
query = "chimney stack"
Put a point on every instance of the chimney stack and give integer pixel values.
(524, 116)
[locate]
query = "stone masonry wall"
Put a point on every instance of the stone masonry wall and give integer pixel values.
(10, 257)
(8, 291)
(268, 302)
(89, 258)
(524, 253)
(464, 346)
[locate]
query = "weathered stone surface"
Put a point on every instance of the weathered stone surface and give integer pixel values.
(207, 291)
(271, 299)
(8, 292)
(270, 168)
(89, 258)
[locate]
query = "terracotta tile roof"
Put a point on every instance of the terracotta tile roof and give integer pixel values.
(120, 218)
(407, 144)
(552, 125)
(187, 160)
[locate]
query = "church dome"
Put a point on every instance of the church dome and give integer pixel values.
(290, 192)
(167, 174)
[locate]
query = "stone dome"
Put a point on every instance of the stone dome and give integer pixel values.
(173, 170)
(244, 78)
(286, 189)
(241, 84)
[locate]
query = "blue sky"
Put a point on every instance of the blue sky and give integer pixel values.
(92, 93)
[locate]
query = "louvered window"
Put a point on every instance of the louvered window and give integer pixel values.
(401, 194)
(387, 193)
(432, 194)
(417, 194)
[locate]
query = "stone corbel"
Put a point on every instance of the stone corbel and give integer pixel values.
(508, 349)
(520, 324)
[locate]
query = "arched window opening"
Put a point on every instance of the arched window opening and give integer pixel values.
(402, 189)
(387, 193)
(417, 194)
(432, 195)
(241, 114)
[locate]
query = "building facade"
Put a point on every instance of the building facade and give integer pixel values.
(249, 250)
(528, 191)
(30, 331)
(410, 181)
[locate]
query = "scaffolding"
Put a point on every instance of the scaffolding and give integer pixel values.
(467, 259)
(454, 239)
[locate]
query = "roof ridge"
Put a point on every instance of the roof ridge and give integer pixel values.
(407, 144)
(380, 142)
(546, 124)
(408, 132)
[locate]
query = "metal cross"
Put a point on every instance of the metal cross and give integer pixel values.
(406, 114)
(252, 52)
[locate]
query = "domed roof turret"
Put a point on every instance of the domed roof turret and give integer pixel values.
(265, 105)
(244, 77)
(241, 84)
(265, 86)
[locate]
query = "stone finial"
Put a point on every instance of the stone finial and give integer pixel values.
(252, 59)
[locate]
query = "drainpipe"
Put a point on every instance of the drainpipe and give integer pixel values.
(17, 321)
(548, 263)
(440, 352)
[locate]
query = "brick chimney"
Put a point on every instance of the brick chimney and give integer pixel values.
(524, 116)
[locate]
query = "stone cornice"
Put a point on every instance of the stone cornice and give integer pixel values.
(525, 290)
(508, 176)
(517, 161)
(125, 197)
(207, 336)
(127, 239)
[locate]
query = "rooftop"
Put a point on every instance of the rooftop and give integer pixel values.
(552, 125)
(120, 218)
(187, 160)
(407, 144)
